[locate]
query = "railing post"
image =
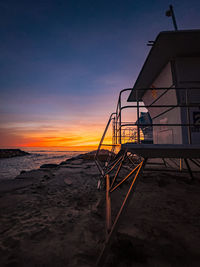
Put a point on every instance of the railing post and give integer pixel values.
(103, 136)
(188, 118)
(120, 120)
(108, 205)
(113, 139)
(138, 115)
(116, 127)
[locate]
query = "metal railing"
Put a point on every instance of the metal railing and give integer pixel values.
(120, 128)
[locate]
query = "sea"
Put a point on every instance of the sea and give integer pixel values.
(11, 167)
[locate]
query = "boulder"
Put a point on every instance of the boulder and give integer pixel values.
(48, 166)
(10, 153)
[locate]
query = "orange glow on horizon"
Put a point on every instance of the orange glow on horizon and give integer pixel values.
(78, 135)
(82, 141)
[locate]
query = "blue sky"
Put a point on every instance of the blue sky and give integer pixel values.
(64, 62)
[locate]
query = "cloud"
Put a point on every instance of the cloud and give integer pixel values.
(55, 133)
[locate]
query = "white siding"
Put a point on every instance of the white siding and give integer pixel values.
(164, 134)
(188, 76)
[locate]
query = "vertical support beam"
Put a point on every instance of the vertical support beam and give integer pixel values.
(116, 126)
(120, 120)
(164, 162)
(180, 164)
(138, 115)
(119, 216)
(113, 133)
(188, 117)
(108, 205)
(189, 169)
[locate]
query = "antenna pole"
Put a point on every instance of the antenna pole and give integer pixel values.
(173, 18)
(170, 13)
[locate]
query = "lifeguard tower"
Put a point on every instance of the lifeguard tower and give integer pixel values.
(168, 86)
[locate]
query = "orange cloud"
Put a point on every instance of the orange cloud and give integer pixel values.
(80, 135)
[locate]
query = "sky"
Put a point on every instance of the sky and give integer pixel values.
(63, 63)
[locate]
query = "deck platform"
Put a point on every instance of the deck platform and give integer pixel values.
(163, 150)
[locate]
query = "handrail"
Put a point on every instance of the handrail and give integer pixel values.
(103, 136)
(120, 108)
(117, 116)
(100, 143)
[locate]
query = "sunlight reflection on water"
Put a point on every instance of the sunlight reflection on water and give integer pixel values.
(11, 167)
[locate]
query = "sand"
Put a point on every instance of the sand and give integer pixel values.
(55, 216)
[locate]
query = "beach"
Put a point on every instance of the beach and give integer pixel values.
(55, 216)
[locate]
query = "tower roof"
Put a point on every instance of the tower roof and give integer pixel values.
(167, 46)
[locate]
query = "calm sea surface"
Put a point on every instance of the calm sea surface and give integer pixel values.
(11, 167)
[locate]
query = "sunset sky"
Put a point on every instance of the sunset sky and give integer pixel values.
(63, 64)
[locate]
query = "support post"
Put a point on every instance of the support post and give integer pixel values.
(113, 137)
(138, 115)
(120, 215)
(108, 205)
(189, 169)
(120, 121)
(188, 118)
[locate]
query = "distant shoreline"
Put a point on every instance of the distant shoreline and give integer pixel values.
(10, 153)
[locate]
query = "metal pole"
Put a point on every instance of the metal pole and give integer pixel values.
(108, 205)
(116, 126)
(122, 181)
(188, 118)
(113, 139)
(120, 214)
(114, 165)
(189, 170)
(138, 114)
(173, 18)
(120, 119)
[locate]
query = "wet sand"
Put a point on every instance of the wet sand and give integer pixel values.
(55, 216)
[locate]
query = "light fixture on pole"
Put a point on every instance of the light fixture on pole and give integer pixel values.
(170, 13)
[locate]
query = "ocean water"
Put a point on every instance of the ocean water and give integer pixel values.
(11, 167)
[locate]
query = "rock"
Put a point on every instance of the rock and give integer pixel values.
(68, 181)
(34, 174)
(102, 155)
(77, 162)
(49, 166)
(10, 153)
(73, 166)
(63, 163)
(11, 242)
(46, 177)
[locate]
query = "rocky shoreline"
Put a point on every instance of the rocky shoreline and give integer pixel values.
(52, 216)
(10, 153)
(55, 216)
